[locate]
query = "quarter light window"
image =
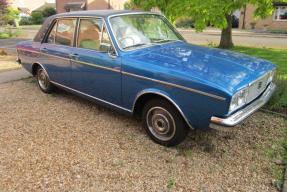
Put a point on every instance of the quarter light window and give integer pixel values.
(52, 35)
(65, 32)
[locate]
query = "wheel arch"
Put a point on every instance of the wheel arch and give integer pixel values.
(34, 69)
(146, 95)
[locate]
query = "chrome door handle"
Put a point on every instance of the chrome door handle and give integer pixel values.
(74, 56)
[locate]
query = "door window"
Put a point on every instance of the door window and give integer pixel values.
(65, 32)
(90, 34)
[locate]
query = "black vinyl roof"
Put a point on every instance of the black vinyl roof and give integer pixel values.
(99, 13)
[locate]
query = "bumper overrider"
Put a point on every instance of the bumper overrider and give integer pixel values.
(242, 114)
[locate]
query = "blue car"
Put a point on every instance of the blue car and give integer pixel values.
(137, 62)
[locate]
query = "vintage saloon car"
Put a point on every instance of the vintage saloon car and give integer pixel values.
(138, 63)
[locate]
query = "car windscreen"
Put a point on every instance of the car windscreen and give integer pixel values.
(140, 30)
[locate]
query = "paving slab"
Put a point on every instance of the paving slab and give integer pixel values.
(13, 75)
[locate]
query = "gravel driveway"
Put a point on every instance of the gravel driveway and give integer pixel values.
(60, 142)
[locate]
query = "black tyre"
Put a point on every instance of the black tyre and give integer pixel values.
(163, 123)
(43, 80)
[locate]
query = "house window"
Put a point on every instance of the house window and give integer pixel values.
(280, 13)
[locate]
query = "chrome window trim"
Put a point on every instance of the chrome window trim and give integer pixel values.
(57, 22)
(75, 38)
(78, 30)
(87, 95)
(139, 13)
(103, 25)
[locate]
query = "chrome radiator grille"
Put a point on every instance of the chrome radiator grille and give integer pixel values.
(257, 87)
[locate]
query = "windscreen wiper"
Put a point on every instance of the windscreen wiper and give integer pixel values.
(164, 40)
(135, 45)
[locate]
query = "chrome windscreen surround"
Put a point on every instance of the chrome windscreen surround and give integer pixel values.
(242, 114)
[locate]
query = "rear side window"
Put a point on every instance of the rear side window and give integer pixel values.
(62, 32)
(90, 34)
(65, 32)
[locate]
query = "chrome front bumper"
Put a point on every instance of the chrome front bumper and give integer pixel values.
(242, 114)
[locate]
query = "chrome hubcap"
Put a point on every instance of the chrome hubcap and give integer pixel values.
(43, 79)
(161, 123)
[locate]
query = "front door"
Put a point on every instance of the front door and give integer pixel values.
(56, 51)
(95, 71)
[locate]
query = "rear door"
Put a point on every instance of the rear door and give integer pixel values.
(95, 70)
(57, 48)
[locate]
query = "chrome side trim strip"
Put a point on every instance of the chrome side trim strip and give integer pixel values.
(95, 98)
(168, 98)
(175, 85)
(58, 57)
(27, 50)
(242, 114)
(39, 52)
(98, 66)
(141, 77)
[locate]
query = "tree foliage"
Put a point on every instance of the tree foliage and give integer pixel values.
(205, 12)
(49, 11)
(11, 15)
(3, 10)
(37, 17)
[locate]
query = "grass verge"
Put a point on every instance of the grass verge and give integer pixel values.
(8, 63)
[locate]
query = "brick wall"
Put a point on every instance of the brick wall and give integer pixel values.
(93, 4)
(262, 24)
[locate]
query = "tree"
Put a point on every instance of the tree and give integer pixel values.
(217, 13)
(11, 16)
(37, 17)
(49, 11)
(3, 10)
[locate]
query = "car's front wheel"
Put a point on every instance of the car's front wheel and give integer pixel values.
(163, 123)
(43, 80)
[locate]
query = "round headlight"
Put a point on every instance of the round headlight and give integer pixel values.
(238, 100)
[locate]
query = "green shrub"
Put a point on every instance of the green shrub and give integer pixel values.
(11, 16)
(4, 35)
(49, 11)
(278, 102)
(9, 32)
(37, 17)
(26, 21)
(184, 22)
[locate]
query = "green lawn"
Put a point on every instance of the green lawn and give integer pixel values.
(278, 102)
(277, 56)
